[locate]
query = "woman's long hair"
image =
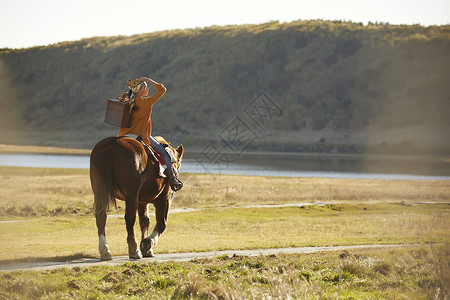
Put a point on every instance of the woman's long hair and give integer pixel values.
(132, 102)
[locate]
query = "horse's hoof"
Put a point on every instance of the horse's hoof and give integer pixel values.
(135, 255)
(146, 246)
(106, 256)
(149, 253)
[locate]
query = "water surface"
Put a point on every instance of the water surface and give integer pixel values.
(273, 165)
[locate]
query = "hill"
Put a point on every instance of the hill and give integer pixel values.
(339, 87)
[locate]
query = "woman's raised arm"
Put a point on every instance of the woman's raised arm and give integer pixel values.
(145, 79)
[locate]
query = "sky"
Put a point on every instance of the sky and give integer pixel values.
(28, 23)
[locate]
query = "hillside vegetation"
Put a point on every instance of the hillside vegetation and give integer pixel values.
(339, 87)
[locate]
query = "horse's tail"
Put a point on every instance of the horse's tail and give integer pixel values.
(102, 183)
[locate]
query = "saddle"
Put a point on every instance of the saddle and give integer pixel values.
(156, 158)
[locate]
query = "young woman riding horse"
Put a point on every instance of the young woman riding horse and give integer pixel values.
(140, 120)
(121, 169)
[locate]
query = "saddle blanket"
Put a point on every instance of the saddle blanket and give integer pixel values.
(157, 160)
(155, 157)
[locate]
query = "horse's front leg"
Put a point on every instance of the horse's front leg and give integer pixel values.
(144, 222)
(130, 219)
(162, 205)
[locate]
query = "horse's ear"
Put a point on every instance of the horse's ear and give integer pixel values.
(180, 150)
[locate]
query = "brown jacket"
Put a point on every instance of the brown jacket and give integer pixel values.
(140, 119)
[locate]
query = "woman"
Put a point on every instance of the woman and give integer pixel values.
(140, 120)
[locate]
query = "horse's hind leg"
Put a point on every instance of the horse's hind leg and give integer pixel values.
(130, 219)
(103, 248)
(101, 186)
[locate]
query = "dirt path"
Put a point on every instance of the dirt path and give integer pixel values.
(117, 260)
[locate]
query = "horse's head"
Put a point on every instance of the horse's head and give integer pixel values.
(178, 155)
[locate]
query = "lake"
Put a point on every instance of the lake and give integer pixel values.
(356, 167)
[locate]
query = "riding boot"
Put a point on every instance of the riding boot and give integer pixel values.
(174, 182)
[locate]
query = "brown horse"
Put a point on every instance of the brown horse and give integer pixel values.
(120, 169)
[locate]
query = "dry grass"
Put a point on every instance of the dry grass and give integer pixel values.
(41, 191)
(202, 190)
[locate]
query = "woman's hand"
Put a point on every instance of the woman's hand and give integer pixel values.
(145, 79)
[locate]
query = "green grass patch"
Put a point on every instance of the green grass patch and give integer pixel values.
(253, 228)
(411, 273)
(235, 228)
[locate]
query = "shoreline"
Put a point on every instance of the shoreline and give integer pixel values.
(39, 171)
(35, 149)
(29, 149)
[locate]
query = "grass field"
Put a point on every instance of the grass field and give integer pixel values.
(237, 228)
(26, 192)
(53, 219)
(407, 273)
